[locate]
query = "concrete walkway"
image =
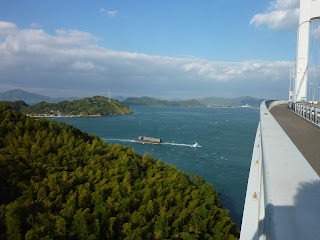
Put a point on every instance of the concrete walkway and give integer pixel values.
(303, 134)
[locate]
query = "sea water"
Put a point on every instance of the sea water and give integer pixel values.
(226, 136)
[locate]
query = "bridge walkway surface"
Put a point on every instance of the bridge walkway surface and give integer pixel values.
(304, 135)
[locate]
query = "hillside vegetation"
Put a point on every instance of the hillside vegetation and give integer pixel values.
(16, 105)
(57, 182)
(148, 101)
(88, 106)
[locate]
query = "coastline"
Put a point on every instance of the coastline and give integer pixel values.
(67, 116)
(71, 116)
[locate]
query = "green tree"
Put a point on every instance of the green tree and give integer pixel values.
(61, 183)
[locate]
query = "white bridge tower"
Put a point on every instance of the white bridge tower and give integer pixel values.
(309, 11)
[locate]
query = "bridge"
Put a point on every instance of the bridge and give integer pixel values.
(283, 192)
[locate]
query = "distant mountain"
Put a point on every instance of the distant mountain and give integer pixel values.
(120, 98)
(148, 101)
(176, 99)
(30, 98)
(221, 101)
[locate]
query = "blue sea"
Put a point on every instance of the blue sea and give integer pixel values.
(226, 136)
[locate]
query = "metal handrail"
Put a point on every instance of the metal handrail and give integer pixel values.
(307, 111)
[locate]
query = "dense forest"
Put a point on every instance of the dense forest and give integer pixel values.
(57, 182)
(97, 105)
(148, 101)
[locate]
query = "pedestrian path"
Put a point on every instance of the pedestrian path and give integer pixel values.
(303, 134)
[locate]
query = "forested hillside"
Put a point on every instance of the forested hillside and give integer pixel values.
(96, 105)
(148, 101)
(57, 182)
(16, 105)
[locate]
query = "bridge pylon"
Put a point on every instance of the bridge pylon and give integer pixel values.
(309, 12)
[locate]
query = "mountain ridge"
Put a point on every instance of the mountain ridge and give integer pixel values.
(239, 101)
(149, 101)
(30, 98)
(34, 98)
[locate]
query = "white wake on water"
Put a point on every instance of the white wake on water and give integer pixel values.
(177, 144)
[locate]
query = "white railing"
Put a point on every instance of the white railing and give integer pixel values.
(308, 111)
(283, 193)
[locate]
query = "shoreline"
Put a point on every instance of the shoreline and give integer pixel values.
(72, 116)
(68, 116)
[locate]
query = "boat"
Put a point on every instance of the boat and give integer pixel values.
(153, 140)
(195, 145)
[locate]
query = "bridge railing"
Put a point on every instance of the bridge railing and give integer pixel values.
(283, 192)
(308, 111)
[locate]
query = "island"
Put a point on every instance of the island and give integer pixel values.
(60, 183)
(219, 102)
(148, 101)
(94, 106)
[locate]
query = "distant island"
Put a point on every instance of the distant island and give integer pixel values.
(215, 102)
(230, 102)
(95, 106)
(33, 98)
(148, 101)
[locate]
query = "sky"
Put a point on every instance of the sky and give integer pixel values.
(164, 49)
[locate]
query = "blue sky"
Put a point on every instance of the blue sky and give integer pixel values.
(164, 49)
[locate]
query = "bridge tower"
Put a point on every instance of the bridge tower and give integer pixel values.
(309, 12)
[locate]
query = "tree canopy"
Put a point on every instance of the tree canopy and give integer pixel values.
(57, 182)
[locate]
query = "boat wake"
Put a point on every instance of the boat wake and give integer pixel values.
(177, 144)
(130, 140)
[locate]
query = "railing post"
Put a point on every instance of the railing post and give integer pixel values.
(313, 113)
(309, 109)
(305, 111)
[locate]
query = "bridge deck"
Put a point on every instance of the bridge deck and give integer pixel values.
(303, 134)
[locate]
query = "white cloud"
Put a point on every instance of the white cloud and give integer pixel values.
(286, 4)
(110, 13)
(281, 15)
(7, 28)
(69, 62)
